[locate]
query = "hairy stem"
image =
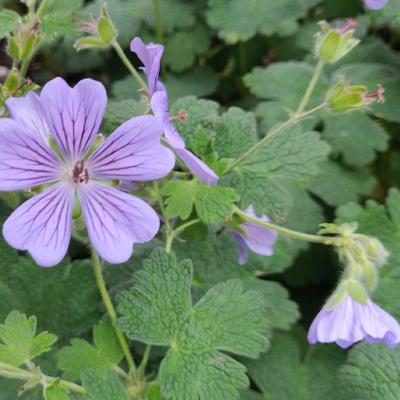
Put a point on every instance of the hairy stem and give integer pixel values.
(111, 310)
(117, 47)
(311, 86)
(330, 241)
(11, 372)
(294, 119)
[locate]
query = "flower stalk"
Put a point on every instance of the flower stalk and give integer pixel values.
(329, 241)
(111, 310)
(11, 372)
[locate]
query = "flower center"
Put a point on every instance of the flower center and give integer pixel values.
(80, 173)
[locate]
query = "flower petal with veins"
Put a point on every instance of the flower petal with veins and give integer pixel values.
(116, 221)
(42, 225)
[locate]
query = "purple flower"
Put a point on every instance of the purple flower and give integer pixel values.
(350, 321)
(259, 239)
(375, 4)
(150, 55)
(71, 117)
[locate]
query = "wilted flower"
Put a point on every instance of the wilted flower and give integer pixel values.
(67, 120)
(350, 322)
(259, 239)
(375, 4)
(150, 55)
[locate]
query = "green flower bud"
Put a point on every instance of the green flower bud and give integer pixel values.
(334, 44)
(30, 45)
(89, 42)
(106, 28)
(345, 97)
(13, 48)
(12, 81)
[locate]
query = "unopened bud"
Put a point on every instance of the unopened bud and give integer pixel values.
(333, 44)
(345, 97)
(370, 276)
(30, 45)
(13, 48)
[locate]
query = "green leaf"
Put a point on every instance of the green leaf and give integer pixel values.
(18, 340)
(8, 20)
(293, 154)
(183, 47)
(118, 112)
(236, 132)
(158, 310)
(285, 81)
(105, 355)
(355, 136)
(214, 203)
(58, 18)
(239, 21)
(56, 392)
(103, 385)
(338, 185)
(306, 375)
(181, 196)
(384, 223)
(199, 113)
(372, 372)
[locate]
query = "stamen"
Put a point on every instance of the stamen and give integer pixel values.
(182, 115)
(377, 95)
(80, 173)
(351, 23)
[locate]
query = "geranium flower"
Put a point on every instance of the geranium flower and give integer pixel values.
(350, 322)
(375, 4)
(251, 235)
(150, 55)
(70, 118)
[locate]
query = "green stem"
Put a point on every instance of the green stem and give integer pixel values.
(111, 310)
(311, 86)
(289, 232)
(253, 150)
(42, 8)
(129, 65)
(158, 21)
(176, 232)
(145, 360)
(294, 118)
(11, 372)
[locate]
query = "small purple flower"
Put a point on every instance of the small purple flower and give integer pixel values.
(71, 118)
(150, 55)
(375, 4)
(259, 239)
(350, 322)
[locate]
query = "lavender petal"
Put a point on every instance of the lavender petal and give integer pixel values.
(74, 114)
(150, 55)
(25, 160)
(133, 153)
(28, 111)
(42, 225)
(116, 221)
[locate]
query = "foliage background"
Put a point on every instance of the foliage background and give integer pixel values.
(252, 60)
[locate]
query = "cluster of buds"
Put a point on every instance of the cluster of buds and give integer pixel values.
(334, 43)
(24, 41)
(350, 315)
(345, 97)
(102, 32)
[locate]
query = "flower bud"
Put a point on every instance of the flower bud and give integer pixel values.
(370, 276)
(12, 81)
(334, 44)
(345, 97)
(13, 48)
(102, 32)
(30, 45)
